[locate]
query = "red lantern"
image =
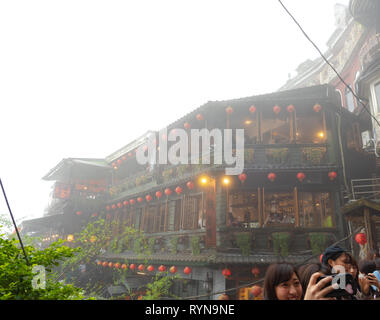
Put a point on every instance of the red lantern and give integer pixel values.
(256, 291)
(95, 214)
(132, 266)
(290, 108)
(272, 176)
(113, 206)
(105, 264)
(173, 269)
(124, 266)
(229, 110)
(162, 268)
(139, 199)
(119, 161)
(361, 238)
(276, 109)
(199, 117)
(150, 268)
(119, 205)
(190, 185)
(110, 264)
(178, 190)
(114, 164)
(317, 107)
(255, 271)
(301, 176)
(168, 192)
(320, 258)
(332, 175)
(252, 109)
(187, 270)
(226, 272)
(108, 208)
(148, 197)
(78, 213)
(124, 157)
(141, 267)
(242, 177)
(187, 125)
(117, 265)
(125, 203)
(99, 263)
(158, 194)
(132, 201)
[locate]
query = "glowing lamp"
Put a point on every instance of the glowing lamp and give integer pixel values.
(255, 271)
(132, 201)
(117, 265)
(124, 266)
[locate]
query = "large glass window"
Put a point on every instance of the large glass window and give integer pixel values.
(192, 215)
(310, 128)
(279, 208)
(350, 100)
(275, 128)
(315, 209)
(243, 210)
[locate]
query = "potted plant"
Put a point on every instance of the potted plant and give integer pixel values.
(281, 243)
(318, 242)
(243, 241)
(195, 245)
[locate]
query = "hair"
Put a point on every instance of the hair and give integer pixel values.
(367, 266)
(277, 273)
(306, 271)
(377, 262)
(327, 268)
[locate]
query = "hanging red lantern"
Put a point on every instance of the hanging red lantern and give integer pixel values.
(158, 194)
(141, 267)
(99, 263)
(276, 109)
(361, 238)
(256, 291)
(168, 192)
(119, 205)
(132, 201)
(290, 108)
(255, 271)
(78, 213)
(187, 125)
(108, 208)
(105, 264)
(139, 199)
(124, 266)
(110, 264)
(178, 190)
(190, 185)
(252, 109)
(320, 258)
(117, 265)
(148, 197)
(113, 206)
(199, 117)
(229, 110)
(95, 214)
(226, 272)
(242, 177)
(125, 203)
(150, 268)
(119, 161)
(124, 158)
(162, 268)
(317, 107)
(187, 270)
(332, 175)
(301, 176)
(173, 269)
(132, 266)
(271, 176)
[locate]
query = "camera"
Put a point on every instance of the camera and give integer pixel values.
(345, 281)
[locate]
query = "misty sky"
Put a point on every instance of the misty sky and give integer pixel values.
(84, 78)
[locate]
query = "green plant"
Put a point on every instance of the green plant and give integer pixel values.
(160, 287)
(243, 241)
(279, 155)
(174, 245)
(281, 243)
(318, 242)
(195, 245)
(313, 155)
(248, 155)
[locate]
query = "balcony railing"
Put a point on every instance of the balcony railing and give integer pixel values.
(365, 188)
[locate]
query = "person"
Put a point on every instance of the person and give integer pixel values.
(281, 282)
(306, 271)
(369, 281)
(372, 254)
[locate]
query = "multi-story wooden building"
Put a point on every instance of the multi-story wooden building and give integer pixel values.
(227, 229)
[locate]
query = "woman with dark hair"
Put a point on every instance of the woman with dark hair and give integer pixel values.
(306, 271)
(282, 283)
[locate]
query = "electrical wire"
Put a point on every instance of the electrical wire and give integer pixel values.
(332, 67)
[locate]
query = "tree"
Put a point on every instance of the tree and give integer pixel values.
(18, 278)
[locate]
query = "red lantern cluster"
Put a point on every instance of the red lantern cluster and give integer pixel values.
(132, 201)
(361, 238)
(226, 272)
(105, 264)
(117, 265)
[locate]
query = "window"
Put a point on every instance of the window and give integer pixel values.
(376, 97)
(192, 212)
(350, 100)
(315, 209)
(279, 208)
(310, 128)
(243, 210)
(275, 128)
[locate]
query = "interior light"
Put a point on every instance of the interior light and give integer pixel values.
(248, 122)
(321, 134)
(226, 180)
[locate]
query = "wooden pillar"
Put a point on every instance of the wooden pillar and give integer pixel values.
(368, 228)
(296, 213)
